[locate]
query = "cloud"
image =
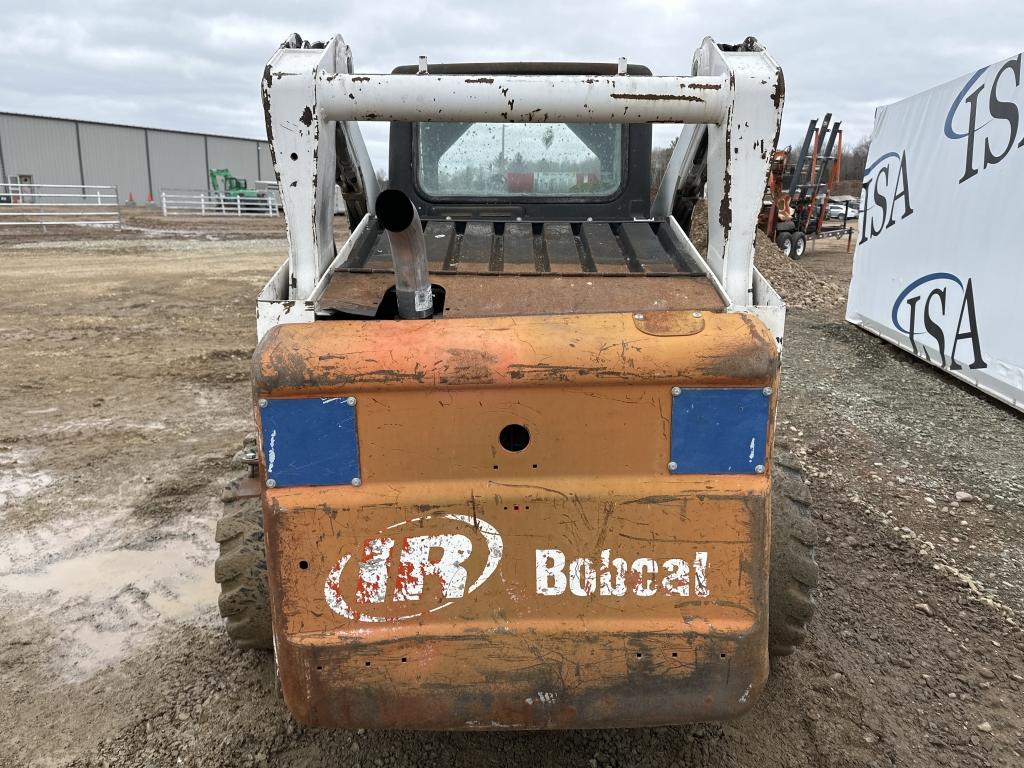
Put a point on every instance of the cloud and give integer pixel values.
(191, 65)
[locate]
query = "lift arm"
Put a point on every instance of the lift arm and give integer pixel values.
(310, 93)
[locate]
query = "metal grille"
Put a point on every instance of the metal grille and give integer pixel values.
(522, 247)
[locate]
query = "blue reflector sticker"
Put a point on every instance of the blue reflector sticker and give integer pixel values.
(310, 441)
(720, 430)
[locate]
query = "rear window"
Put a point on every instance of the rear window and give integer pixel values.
(502, 160)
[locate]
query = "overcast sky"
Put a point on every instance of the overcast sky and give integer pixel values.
(196, 65)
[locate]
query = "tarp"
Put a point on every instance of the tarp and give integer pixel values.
(939, 264)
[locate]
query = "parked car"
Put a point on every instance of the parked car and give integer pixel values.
(839, 210)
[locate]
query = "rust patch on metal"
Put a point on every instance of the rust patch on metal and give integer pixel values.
(293, 359)
(725, 207)
(467, 366)
(268, 82)
(779, 91)
(360, 79)
(703, 86)
(487, 80)
(656, 97)
(548, 372)
(307, 117)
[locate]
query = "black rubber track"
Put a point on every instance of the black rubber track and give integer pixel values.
(794, 572)
(241, 571)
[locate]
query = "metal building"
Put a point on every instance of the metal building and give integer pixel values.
(139, 161)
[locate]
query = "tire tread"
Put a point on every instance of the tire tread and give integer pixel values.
(794, 571)
(241, 571)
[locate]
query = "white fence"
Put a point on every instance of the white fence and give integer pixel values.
(43, 205)
(187, 203)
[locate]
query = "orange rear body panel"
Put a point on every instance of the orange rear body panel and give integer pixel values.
(575, 583)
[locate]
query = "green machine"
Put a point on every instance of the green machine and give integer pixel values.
(222, 182)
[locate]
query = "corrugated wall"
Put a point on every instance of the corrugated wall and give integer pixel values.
(47, 149)
(177, 161)
(112, 154)
(237, 155)
(266, 163)
(43, 148)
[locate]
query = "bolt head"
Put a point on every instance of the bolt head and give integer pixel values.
(638, 316)
(356, 482)
(350, 400)
(263, 402)
(697, 314)
(271, 482)
(767, 391)
(759, 469)
(672, 466)
(676, 391)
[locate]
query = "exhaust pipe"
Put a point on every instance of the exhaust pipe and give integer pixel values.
(398, 216)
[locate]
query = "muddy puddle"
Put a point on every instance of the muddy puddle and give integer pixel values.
(105, 601)
(18, 478)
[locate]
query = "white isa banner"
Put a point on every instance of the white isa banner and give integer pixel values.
(939, 265)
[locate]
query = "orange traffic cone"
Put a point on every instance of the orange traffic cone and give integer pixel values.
(131, 199)
(149, 199)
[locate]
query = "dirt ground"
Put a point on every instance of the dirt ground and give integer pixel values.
(125, 392)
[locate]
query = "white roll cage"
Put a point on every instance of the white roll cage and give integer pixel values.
(312, 98)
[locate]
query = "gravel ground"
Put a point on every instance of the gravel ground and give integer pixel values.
(798, 285)
(126, 393)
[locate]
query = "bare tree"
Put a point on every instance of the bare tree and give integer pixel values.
(854, 160)
(659, 162)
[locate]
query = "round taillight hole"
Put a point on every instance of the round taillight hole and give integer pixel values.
(514, 437)
(303, 564)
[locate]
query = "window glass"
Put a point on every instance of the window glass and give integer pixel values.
(519, 159)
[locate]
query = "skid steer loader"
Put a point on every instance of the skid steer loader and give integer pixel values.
(514, 465)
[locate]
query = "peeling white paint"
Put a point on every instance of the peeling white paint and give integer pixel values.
(582, 578)
(677, 580)
(700, 577)
(615, 577)
(414, 564)
(543, 697)
(414, 567)
(374, 570)
(365, 595)
(271, 454)
(645, 571)
(751, 456)
(495, 547)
